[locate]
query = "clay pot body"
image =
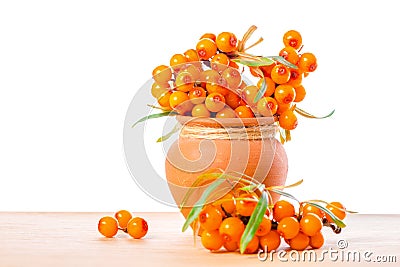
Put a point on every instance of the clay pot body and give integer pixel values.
(232, 145)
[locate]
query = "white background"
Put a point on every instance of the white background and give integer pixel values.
(69, 69)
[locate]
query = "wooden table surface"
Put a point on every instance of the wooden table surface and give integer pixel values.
(71, 239)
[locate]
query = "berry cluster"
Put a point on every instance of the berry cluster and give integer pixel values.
(207, 81)
(223, 223)
(136, 227)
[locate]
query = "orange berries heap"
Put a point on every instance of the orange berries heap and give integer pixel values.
(223, 222)
(206, 81)
(136, 227)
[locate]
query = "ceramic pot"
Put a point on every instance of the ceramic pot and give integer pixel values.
(236, 145)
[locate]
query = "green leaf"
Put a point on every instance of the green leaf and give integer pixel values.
(335, 219)
(262, 90)
(153, 116)
(194, 213)
(254, 222)
(284, 61)
(176, 128)
(310, 116)
(282, 193)
(260, 61)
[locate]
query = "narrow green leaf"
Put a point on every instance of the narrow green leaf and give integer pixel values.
(310, 116)
(284, 61)
(194, 213)
(254, 222)
(262, 90)
(335, 219)
(153, 116)
(254, 63)
(282, 193)
(176, 128)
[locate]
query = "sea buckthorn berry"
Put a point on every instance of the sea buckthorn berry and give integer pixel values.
(200, 111)
(283, 107)
(215, 102)
(212, 240)
(283, 208)
(232, 77)
(292, 38)
(252, 246)
(206, 48)
(226, 112)
(267, 106)
(163, 100)
(270, 241)
(210, 218)
(290, 54)
(288, 120)
(264, 227)
(108, 226)
(158, 89)
(295, 78)
(193, 70)
(233, 100)
(220, 62)
(162, 74)
(226, 42)
(307, 208)
(231, 246)
(209, 36)
(123, 217)
(307, 62)
(288, 227)
(244, 112)
(137, 227)
(231, 229)
(177, 61)
(299, 242)
(285, 94)
(191, 55)
(280, 74)
(337, 209)
(229, 204)
(233, 64)
(317, 240)
(218, 86)
(269, 84)
(209, 76)
(249, 94)
(266, 70)
(300, 93)
(310, 224)
(184, 81)
(178, 98)
(246, 207)
(197, 95)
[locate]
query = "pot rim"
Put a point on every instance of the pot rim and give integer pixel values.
(225, 122)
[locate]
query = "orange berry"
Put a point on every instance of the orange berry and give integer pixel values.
(295, 78)
(232, 99)
(299, 242)
(177, 61)
(209, 36)
(252, 246)
(137, 227)
(270, 85)
(310, 224)
(249, 94)
(288, 120)
(206, 48)
(200, 111)
(283, 107)
(226, 42)
(307, 208)
(123, 217)
(209, 76)
(158, 89)
(244, 112)
(211, 240)
(317, 240)
(280, 74)
(193, 69)
(162, 74)
(215, 102)
(108, 226)
(246, 207)
(264, 227)
(229, 205)
(210, 218)
(267, 69)
(288, 227)
(290, 54)
(292, 38)
(220, 62)
(218, 86)
(226, 112)
(267, 106)
(300, 93)
(191, 55)
(232, 77)
(233, 64)
(337, 209)
(283, 208)
(231, 246)
(184, 81)
(197, 95)
(163, 100)
(231, 229)
(178, 98)
(307, 62)
(285, 94)
(270, 241)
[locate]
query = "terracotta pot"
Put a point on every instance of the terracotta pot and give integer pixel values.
(241, 145)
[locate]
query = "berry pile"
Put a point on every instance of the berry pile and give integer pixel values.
(222, 225)
(207, 81)
(136, 227)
